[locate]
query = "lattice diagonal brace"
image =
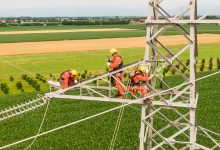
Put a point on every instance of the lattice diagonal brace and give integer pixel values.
(175, 109)
(178, 129)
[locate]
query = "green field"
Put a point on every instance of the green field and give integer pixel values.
(96, 133)
(93, 61)
(204, 27)
(140, 32)
(16, 38)
(69, 27)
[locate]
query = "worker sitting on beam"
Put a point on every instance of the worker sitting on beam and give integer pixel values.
(116, 63)
(68, 78)
(137, 79)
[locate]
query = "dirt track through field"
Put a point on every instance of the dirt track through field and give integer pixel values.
(63, 31)
(95, 44)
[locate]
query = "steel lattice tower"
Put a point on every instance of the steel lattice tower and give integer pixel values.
(179, 131)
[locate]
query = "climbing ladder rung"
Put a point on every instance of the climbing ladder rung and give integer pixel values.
(22, 108)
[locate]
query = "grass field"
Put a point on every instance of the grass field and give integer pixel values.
(96, 134)
(93, 61)
(69, 27)
(204, 27)
(215, 29)
(16, 38)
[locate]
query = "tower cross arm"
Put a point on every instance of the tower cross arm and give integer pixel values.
(175, 21)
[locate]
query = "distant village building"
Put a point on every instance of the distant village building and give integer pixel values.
(2, 20)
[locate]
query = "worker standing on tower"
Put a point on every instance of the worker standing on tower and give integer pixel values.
(137, 78)
(116, 63)
(68, 78)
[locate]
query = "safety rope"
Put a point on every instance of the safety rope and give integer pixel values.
(117, 126)
(118, 123)
(48, 100)
(104, 112)
(41, 125)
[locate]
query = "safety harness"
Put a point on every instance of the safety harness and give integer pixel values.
(61, 78)
(117, 68)
(132, 82)
(120, 65)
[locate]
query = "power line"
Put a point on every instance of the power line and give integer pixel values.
(104, 112)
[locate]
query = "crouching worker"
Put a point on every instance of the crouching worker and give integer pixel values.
(137, 78)
(68, 78)
(115, 64)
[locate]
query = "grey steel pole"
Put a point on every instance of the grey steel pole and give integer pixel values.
(142, 130)
(193, 9)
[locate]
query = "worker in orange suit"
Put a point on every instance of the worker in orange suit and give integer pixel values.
(68, 78)
(138, 77)
(115, 64)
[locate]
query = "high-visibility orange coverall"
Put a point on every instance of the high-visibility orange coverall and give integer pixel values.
(66, 79)
(136, 81)
(117, 63)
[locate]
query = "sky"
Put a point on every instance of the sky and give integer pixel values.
(49, 8)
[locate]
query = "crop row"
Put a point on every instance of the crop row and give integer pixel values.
(32, 82)
(4, 88)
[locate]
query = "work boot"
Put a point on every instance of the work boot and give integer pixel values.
(121, 96)
(147, 101)
(118, 95)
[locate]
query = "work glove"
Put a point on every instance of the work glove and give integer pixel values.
(148, 68)
(108, 59)
(132, 74)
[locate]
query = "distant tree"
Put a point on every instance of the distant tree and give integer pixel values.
(37, 87)
(183, 70)
(218, 61)
(11, 78)
(202, 67)
(210, 67)
(6, 90)
(19, 85)
(187, 62)
(177, 66)
(211, 60)
(83, 76)
(173, 72)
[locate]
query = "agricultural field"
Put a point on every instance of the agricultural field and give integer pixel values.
(95, 133)
(17, 70)
(55, 63)
(139, 32)
(202, 28)
(17, 38)
(69, 27)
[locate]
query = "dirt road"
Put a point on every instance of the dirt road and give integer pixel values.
(94, 44)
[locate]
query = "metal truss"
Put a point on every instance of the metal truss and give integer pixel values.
(169, 120)
(168, 113)
(171, 126)
(17, 110)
